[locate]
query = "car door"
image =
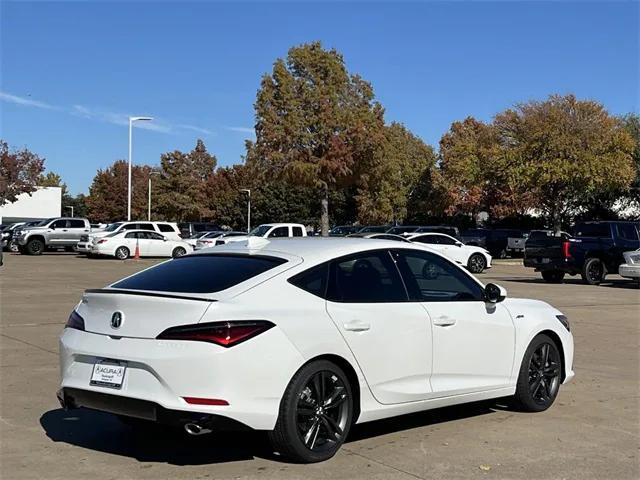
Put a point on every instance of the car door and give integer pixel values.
(452, 248)
(473, 341)
(389, 336)
(133, 240)
(59, 232)
(157, 245)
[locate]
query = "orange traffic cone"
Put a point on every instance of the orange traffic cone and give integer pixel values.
(136, 256)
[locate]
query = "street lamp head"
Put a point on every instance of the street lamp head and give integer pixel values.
(246, 190)
(140, 119)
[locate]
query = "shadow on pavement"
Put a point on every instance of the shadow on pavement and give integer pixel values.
(611, 283)
(103, 432)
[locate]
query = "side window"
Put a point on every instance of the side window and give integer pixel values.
(153, 236)
(313, 280)
(430, 278)
(369, 277)
(297, 231)
(444, 240)
(59, 224)
(146, 226)
(627, 231)
(165, 227)
(76, 224)
(279, 232)
(131, 234)
(428, 239)
(129, 226)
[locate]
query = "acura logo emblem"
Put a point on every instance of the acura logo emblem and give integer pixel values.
(116, 319)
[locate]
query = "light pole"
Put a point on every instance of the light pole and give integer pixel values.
(71, 210)
(152, 173)
(131, 120)
(248, 207)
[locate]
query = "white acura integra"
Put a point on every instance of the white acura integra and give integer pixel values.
(305, 337)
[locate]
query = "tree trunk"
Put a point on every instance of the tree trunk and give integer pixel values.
(324, 213)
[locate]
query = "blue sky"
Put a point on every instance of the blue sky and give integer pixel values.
(73, 71)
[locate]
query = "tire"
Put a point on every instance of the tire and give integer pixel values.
(13, 247)
(553, 276)
(477, 263)
(178, 252)
(122, 253)
(539, 380)
(35, 247)
(305, 431)
(593, 271)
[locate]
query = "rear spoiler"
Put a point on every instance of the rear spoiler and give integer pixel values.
(122, 291)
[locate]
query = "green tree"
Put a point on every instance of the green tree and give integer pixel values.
(107, 200)
(182, 185)
(316, 124)
(565, 151)
(631, 124)
(19, 172)
(386, 188)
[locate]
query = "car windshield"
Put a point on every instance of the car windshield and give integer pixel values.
(112, 227)
(44, 222)
(260, 231)
(200, 273)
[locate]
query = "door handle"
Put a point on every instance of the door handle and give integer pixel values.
(444, 321)
(357, 326)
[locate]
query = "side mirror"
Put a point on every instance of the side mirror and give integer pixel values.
(164, 239)
(494, 293)
(52, 226)
(459, 244)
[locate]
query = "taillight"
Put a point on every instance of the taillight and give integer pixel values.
(225, 334)
(565, 249)
(104, 240)
(75, 321)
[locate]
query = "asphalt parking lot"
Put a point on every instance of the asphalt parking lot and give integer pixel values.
(592, 431)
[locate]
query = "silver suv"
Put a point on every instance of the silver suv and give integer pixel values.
(61, 232)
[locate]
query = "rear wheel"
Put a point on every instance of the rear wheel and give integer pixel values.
(539, 378)
(553, 276)
(122, 253)
(593, 271)
(35, 247)
(178, 252)
(316, 413)
(477, 263)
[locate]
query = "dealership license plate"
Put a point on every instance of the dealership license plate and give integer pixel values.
(107, 373)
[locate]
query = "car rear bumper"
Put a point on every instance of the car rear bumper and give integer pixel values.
(629, 271)
(83, 247)
(250, 377)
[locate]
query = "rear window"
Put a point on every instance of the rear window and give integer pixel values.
(200, 273)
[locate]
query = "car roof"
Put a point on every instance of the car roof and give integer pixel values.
(312, 250)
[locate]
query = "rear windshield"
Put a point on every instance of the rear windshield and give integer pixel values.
(200, 273)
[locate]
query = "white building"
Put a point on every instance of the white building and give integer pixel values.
(45, 202)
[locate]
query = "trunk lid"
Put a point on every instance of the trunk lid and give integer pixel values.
(141, 314)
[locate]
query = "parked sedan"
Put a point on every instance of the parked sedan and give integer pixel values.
(303, 338)
(476, 259)
(125, 243)
(631, 266)
(381, 236)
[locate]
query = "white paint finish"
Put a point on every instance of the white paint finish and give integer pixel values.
(474, 350)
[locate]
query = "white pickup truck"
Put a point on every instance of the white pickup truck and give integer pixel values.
(269, 230)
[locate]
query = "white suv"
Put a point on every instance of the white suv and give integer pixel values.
(167, 229)
(268, 230)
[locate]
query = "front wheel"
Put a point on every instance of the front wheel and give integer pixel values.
(178, 252)
(316, 413)
(593, 271)
(35, 247)
(539, 377)
(477, 263)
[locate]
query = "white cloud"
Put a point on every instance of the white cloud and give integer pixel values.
(27, 102)
(242, 129)
(114, 118)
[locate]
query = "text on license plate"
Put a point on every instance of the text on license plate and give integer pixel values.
(108, 374)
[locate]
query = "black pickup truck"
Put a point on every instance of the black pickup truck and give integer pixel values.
(595, 249)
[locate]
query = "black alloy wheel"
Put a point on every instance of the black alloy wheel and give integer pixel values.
(315, 414)
(35, 247)
(477, 263)
(593, 271)
(540, 375)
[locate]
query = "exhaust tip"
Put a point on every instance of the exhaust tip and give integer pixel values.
(195, 429)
